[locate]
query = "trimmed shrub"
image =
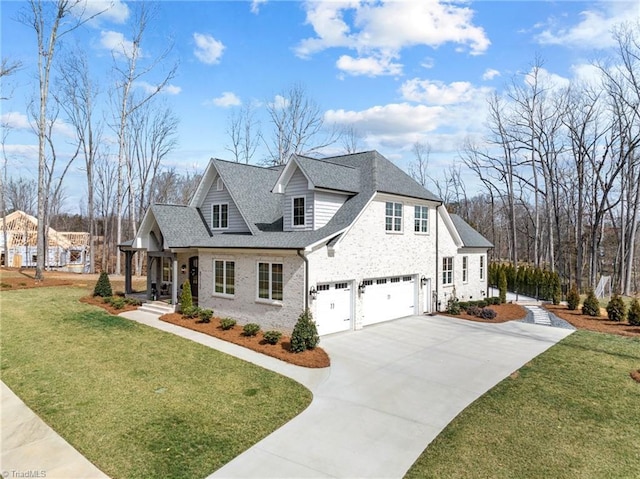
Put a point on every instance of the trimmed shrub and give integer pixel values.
(205, 315)
(474, 311)
(453, 305)
(488, 313)
(116, 302)
(466, 304)
(634, 313)
(191, 312)
(573, 299)
(272, 337)
(556, 288)
(502, 286)
(305, 333)
(251, 329)
(495, 300)
(186, 299)
(591, 306)
(227, 323)
(103, 286)
(133, 301)
(616, 309)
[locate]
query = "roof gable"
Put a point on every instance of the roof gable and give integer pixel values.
(469, 236)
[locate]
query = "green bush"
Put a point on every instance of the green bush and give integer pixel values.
(227, 323)
(634, 313)
(133, 301)
(186, 299)
(251, 329)
(616, 309)
(591, 306)
(502, 286)
(573, 299)
(495, 300)
(453, 305)
(205, 315)
(103, 286)
(488, 313)
(191, 312)
(305, 333)
(466, 304)
(556, 288)
(117, 302)
(272, 337)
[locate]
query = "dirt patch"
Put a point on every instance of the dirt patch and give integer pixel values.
(505, 312)
(636, 375)
(315, 358)
(22, 278)
(99, 301)
(600, 324)
(19, 279)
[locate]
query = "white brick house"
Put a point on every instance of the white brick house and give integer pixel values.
(353, 238)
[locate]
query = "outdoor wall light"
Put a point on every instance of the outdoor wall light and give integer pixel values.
(482, 292)
(183, 268)
(313, 293)
(423, 281)
(361, 288)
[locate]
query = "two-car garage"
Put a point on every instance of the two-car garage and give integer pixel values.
(382, 299)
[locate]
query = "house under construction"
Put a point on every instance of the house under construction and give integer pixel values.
(66, 251)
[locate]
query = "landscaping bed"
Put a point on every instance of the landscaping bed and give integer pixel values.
(600, 324)
(99, 301)
(505, 312)
(311, 358)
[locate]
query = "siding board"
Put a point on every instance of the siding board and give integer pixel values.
(298, 186)
(236, 222)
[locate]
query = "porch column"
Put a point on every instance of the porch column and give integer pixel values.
(149, 274)
(128, 255)
(174, 281)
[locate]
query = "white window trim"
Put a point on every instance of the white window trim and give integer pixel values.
(393, 217)
(482, 266)
(421, 220)
(465, 269)
(213, 226)
(274, 302)
(304, 215)
(224, 274)
(452, 271)
(219, 184)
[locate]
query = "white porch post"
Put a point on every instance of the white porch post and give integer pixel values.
(174, 282)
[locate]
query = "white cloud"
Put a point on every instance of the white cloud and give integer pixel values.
(369, 66)
(255, 6)
(227, 99)
(550, 80)
(279, 102)
(438, 93)
(587, 73)
(208, 49)
(490, 74)
(22, 151)
(117, 43)
(15, 120)
(112, 10)
(385, 28)
(149, 88)
(594, 30)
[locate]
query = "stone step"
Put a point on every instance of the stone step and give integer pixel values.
(157, 307)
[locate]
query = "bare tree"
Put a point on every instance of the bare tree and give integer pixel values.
(130, 66)
(21, 195)
(351, 138)
(298, 126)
(244, 134)
(419, 167)
(51, 21)
(105, 170)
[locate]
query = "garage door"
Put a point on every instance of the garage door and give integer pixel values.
(388, 298)
(333, 307)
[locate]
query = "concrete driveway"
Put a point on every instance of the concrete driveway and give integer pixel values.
(392, 388)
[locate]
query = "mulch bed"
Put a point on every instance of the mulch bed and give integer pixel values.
(600, 324)
(636, 375)
(99, 301)
(315, 358)
(505, 312)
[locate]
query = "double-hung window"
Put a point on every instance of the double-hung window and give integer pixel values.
(465, 269)
(224, 277)
(393, 216)
(219, 216)
(421, 223)
(298, 211)
(447, 270)
(270, 281)
(481, 267)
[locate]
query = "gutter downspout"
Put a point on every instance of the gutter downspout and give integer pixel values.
(437, 305)
(306, 278)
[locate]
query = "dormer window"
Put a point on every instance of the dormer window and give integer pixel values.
(219, 216)
(298, 211)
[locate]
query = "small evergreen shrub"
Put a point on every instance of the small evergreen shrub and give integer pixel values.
(251, 329)
(616, 309)
(133, 301)
(556, 288)
(305, 333)
(488, 313)
(205, 315)
(591, 306)
(502, 286)
(186, 299)
(465, 304)
(474, 311)
(634, 313)
(191, 312)
(573, 299)
(117, 302)
(103, 286)
(495, 300)
(272, 337)
(453, 305)
(227, 323)
(482, 304)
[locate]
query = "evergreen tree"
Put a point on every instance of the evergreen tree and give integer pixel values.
(103, 286)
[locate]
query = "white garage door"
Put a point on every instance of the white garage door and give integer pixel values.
(388, 298)
(333, 308)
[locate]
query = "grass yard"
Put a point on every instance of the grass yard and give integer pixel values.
(137, 402)
(573, 412)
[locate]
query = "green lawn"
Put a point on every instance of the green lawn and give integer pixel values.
(139, 403)
(573, 412)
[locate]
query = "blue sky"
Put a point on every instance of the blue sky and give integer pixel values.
(397, 72)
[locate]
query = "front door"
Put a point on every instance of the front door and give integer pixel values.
(193, 276)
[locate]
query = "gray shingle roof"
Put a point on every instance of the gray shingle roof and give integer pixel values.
(182, 226)
(470, 237)
(332, 176)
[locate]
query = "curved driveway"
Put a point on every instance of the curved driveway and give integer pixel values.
(390, 390)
